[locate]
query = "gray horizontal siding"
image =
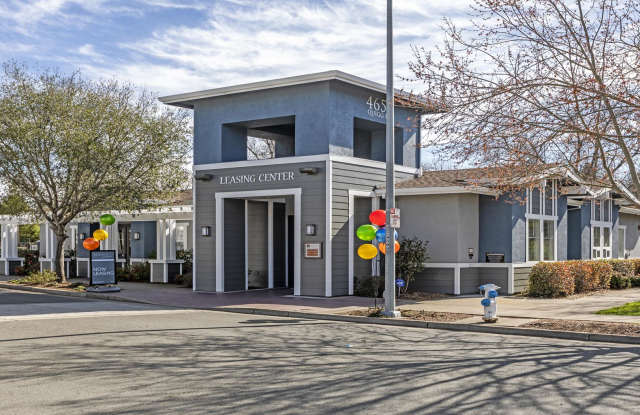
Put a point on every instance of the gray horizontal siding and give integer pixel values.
(472, 278)
(520, 279)
(313, 205)
(433, 280)
(347, 177)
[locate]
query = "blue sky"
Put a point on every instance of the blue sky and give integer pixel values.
(172, 46)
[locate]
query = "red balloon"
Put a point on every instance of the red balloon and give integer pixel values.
(383, 247)
(90, 244)
(378, 217)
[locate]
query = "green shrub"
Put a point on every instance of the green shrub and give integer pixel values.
(622, 266)
(39, 278)
(140, 272)
(636, 266)
(187, 256)
(602, 271)
(620, 281)
(185, 279)
(635, 281)
(551, 279)
(410, 260)
(368, 286)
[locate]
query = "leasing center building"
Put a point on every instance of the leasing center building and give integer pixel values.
(284, 221)
(290, 220)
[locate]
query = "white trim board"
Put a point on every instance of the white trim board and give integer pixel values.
(301, 159)
(220, 196)
(328, 282)
(439, 191)
(352, 195)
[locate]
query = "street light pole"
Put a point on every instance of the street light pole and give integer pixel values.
(390, 256)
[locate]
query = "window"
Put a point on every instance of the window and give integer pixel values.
(542, 221)
(181, 237)
(534, 239)
(601, 226)
(622, 249)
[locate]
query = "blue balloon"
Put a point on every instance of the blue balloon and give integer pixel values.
(381, 235)
(492, 294)
(485, 302)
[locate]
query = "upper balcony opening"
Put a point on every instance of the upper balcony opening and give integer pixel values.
(369, 140)
(259, 139)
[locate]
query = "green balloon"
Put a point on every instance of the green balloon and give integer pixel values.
(367, 232)
(107, 219)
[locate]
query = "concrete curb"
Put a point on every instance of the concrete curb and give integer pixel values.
(490, 329)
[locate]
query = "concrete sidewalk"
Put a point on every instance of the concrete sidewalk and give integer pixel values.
(514, 309)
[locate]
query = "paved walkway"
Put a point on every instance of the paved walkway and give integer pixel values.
(279, 299)
(513, 310)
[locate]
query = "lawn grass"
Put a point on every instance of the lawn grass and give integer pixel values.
(629, 309)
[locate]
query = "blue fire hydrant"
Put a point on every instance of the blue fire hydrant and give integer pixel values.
(489, 302)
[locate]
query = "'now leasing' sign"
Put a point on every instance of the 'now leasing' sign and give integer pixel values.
(282, 176)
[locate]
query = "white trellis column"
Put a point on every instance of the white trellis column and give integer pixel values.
(9, 243)
(160, 239)
(170, 246)
(4, 243)
(73, 237)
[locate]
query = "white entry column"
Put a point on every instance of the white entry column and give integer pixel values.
(165, 249)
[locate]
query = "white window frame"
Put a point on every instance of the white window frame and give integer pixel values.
(542, 217)
(602, 224)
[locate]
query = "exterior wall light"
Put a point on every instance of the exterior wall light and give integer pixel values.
(309, 170)
(83, 236)
(136, 236)
(470, 252)
(205, 230)
(204, 177)
(310, 229)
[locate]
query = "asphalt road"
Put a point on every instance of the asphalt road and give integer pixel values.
(70, 356)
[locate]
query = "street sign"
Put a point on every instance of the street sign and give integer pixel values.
(395, 217)
(103, 267)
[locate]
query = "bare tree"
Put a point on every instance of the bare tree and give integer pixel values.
(260, 148)
(537, 83)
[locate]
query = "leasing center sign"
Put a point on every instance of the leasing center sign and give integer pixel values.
(276, 177)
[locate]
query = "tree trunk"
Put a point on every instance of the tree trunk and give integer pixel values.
(59, 267)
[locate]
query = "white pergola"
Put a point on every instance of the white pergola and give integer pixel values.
(166, 219)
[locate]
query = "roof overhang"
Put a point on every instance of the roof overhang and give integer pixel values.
(415, 191)
(187, 99)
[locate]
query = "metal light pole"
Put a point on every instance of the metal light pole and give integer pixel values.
(390, 256)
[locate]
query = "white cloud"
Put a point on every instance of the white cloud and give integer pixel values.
(246, 40)
(235, 41)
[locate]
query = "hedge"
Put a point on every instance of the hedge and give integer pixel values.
(557, 279)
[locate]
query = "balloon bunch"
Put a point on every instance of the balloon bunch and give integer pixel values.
(375, 231)
(91, 244)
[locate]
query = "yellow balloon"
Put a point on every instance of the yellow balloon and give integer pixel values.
(367, 251)
(100, 235)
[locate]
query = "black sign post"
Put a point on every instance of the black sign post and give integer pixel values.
(102, 271)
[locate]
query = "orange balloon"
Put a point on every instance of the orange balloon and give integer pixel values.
(383, 247)
(90, 244)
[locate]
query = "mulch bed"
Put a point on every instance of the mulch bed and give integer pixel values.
(75, 286)
(421, 315)
(597, 327)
